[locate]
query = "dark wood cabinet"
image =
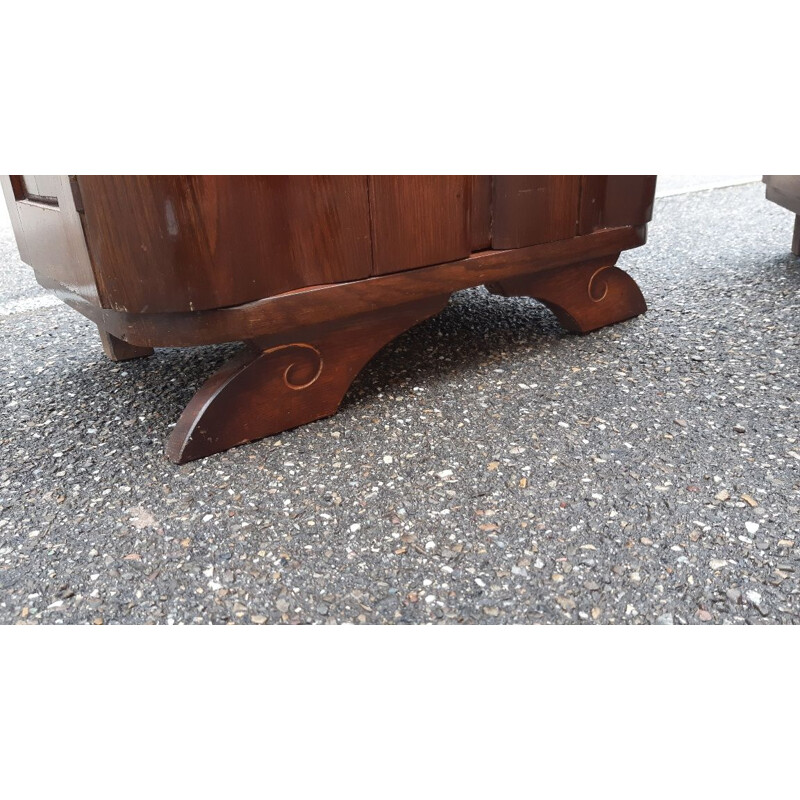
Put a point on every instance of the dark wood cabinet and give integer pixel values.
(315, 273)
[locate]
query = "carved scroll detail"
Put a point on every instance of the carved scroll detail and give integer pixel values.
(270, 387)
(293, 374)
(598, 290)
(583, 296)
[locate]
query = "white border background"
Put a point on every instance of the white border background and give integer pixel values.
(433, 87)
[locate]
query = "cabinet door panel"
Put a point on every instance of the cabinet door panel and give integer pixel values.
(181, 243)
(480, 223)
(418, 220)
(42, 188)
(49, 232)
(534, 209)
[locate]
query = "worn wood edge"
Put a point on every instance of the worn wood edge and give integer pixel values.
(332, 302)
(204, 397)
(117, 350)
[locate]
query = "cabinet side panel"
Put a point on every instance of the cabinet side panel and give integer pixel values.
(187, 243)
(533, 209)
(615, 201)
(418, 220)
(49, 232)
(784, 190)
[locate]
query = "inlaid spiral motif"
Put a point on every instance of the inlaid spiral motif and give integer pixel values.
(307, 359)
(598, 289)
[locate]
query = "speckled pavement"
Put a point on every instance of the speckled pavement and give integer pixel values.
(485, 467)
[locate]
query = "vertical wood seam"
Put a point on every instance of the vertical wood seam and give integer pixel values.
(371, 210)
(491, 212)
(102, 292)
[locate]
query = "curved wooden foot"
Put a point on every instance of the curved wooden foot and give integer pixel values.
(280, 383)
(117, 350)
(584, 297)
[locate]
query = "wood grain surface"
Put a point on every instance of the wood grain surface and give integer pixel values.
(611, 201)
(481, 212)
(182, 243)
(418, 220)
(338, 301)
(534, 209)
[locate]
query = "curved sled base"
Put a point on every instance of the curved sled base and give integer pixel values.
(286, 380)
(584, 296)
(279, 384)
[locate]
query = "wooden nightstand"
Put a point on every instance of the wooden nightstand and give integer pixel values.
(315, 273)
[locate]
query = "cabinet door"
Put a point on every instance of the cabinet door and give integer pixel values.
(191, 242)
(418, 220)
(534, 209)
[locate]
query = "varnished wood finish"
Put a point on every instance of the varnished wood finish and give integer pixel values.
(534, 209)
(584, 296)
(338, 301)
(192, 242)
(418, 220)
(285, 381)
(481, 212)
(613, 201)
(163, 244)
(117, 350)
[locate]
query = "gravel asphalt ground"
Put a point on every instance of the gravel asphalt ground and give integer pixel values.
(486, 467)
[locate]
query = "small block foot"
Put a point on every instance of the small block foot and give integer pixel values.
(117, 350)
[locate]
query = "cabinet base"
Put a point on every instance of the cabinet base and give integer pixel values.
(283, 381)
(584, 297)
(118, 350)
